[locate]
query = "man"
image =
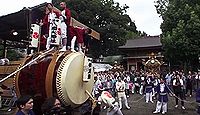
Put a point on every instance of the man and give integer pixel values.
(149, 89)
(198, 100)
(189, 83)
(25, 105)
(142, 83)
(197, 77)
(120, 87)
(81, 34)
(110, 102)
(168, 79)
(48, 24)
(51, 106)
(178, 90)
(162, 91)
(65, 18)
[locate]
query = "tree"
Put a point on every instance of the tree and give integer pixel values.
(180, 31)
(12, 54)
(106, 17)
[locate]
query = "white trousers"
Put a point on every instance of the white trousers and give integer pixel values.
(122, 97)
(73, 42)
(114, 111)
(162, 105)
(0, 102)
(133, 89)
(141, 89)
(148, 97)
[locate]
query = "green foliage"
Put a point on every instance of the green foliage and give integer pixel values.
(12, 54)
(181, 31)
(106, 17)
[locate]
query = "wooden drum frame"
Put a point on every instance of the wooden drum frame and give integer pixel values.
(57, 74)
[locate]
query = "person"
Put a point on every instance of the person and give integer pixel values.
(107, 99)
(142, 83)
(126, 87)
(48, 24)
(120, 87)
(25, 105)
(13, 100)
(189, 83)
(4, 61)
(149, 89)
(178, 90)
(198, 100)
(65, 18)
(51, 106)
(162, 91)
(155, 84)
(1, 92)
(136, 84)
(80, 34)
(168, 79)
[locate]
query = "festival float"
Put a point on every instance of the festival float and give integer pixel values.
(42, 74)
(152, 65)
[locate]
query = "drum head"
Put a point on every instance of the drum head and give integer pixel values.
(69, 80)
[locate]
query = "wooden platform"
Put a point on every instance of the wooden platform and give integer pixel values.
(5, 70)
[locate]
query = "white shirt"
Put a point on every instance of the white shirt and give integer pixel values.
(120, 86)
(181, 81)
(162, 87)
(107, 98)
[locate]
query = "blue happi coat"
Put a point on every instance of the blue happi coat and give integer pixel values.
(149, 85)
(198, 100)
(162, 91)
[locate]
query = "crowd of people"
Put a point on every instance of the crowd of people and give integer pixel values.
(112, 88)
(152, 86)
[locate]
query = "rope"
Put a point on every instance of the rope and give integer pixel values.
(174, 95)
(40, 56)
(136, 101)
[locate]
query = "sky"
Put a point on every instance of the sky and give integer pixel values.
(142, 12)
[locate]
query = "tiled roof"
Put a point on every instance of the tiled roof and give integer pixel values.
(142, 42)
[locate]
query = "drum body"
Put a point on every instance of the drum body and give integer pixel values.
(58, 74)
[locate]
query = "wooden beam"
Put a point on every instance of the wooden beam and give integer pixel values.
(74, 23)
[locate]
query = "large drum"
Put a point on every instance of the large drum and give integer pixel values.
(59, 74)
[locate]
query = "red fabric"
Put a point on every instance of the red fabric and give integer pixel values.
(72, 32)
(80, 34)
(43, 43)
(68, 15)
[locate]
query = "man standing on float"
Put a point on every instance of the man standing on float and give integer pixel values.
(65, 18)
(47, 22)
